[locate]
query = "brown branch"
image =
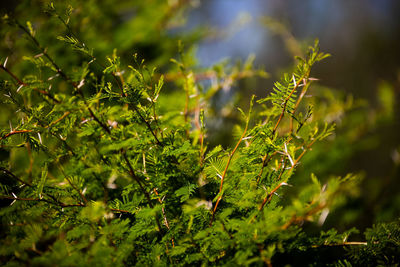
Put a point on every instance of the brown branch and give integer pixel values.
(56, 202)
(225, 171)
(32, 199)
(354, 243)
(137, 179)
(15, 132)
(12, 175)
(139, 182)
(265, 160)
(268, 197)
(163, 210)
(164, 215)
(72, 185)
(98, 121)
(303, 92)
(77, 190)
(265, 260)
(147, 125)
(299, 219)
(287, 100)
(120, 211)
(61, 204)
(93, 58)
(21, 83)
(65, 77)
(44, 51)
(59, 119)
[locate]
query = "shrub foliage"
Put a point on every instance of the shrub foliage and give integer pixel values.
(106, 161)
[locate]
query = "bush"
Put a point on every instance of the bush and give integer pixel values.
(108, 163)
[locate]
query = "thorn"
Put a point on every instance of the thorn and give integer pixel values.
(38, 55)
(14, 195)
(40, 138)
(294, 81)
(323, 189)
(19, 87)
(284, 183)
(11, 129)
(81, 83)
(264, 187)
(288, 155)
(85, 121)
(323, 216)
(275, 193)
(5, 62)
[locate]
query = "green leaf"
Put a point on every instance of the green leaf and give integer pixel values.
(185, 192)
(42, 181)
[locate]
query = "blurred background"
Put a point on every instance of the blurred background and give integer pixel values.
(363, 37)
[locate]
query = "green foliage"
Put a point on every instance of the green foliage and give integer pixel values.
(108, 163)
(381, 248)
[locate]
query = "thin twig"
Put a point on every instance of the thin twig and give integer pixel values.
(59, 119)
(139, 182)
(164, 215)
(15, 132)
(12, 175)
(72, 185)
(303, 92)
(147, 125)
(297, 219)
(270, 194)
(63, 75)
(228, 163)
(287, 100)
(265, 160)
(61, 204)
(224, 174)
(21, 83)
(44, 51)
